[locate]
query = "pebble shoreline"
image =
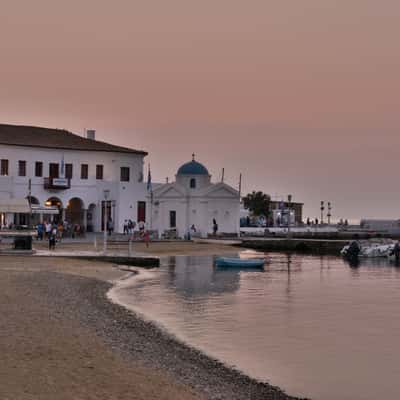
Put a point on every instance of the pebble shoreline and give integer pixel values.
(86, 299)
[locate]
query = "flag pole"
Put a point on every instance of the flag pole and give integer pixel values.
(150, 189)
(240, 202)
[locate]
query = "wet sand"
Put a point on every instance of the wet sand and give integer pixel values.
(155, 248)
(46, 350)
(61, 338)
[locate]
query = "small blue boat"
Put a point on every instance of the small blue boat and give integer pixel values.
(239, 262)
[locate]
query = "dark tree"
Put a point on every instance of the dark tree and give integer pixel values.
(257, 203)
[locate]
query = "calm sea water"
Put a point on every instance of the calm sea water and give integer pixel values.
(311, 325)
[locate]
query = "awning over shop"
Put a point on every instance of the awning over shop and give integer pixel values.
(36, 209)
(20, 206)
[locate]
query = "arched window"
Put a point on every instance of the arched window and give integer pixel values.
(193, 183)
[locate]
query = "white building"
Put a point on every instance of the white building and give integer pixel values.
(194, 200)
(85, 178)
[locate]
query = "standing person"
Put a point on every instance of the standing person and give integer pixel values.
(39, 229)
(52, 238)
(110, 226)
(146, 238)
(48, 229)
(141, 228)
(60, 231)
(215, 226)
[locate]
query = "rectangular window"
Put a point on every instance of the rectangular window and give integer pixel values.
(172, 219)
(54, 170)
(21, 168)
(99, 171)
(38, 168)
(4, 168)
(68, 171)
(125, 174)
(84, 171)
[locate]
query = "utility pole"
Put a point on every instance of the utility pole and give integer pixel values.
(30, 202)
(106, 194)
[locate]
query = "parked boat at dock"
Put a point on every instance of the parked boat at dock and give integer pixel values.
(371, 248)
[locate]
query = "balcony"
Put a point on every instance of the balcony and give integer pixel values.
(57, 183)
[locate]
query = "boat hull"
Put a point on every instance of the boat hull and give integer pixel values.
(239, 263)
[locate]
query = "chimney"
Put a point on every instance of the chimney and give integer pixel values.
(91, 134)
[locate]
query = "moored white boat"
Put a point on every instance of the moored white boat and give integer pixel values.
(372, 248)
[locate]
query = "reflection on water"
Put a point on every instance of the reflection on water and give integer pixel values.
(312, 325)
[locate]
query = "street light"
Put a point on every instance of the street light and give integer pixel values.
(322, 212)
(289, 198)
(329, 213)
(106, 193)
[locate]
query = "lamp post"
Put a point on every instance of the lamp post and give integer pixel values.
(322, 212)
(289, 198)
(329, 213)
(106, 195)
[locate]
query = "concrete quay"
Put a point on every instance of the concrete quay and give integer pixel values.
(120, 259)
(298, 245)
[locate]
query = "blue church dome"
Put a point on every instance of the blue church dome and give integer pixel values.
(193, 168)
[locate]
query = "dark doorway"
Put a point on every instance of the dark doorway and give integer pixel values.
(172, 219)
(74, 212)
(106, 213)
(55, 202)
(141, 211)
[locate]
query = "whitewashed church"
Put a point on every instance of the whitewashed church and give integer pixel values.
(193, 201)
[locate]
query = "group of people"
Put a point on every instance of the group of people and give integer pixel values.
(55, 231)
(50, 231)
(129, 229)
(129, 226)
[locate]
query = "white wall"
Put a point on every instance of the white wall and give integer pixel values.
(197, 210)
(90, 191)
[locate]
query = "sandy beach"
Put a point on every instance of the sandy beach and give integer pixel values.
(61, 338)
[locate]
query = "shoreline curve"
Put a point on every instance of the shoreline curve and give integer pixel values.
(190, 365)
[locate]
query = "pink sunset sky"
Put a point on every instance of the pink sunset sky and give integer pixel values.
(301, 97)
